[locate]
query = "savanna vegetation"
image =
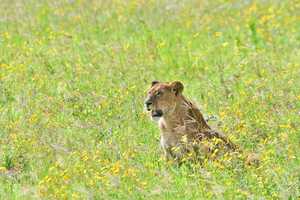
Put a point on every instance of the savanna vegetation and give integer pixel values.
(73, 76)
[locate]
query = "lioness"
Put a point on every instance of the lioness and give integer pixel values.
(183, 127)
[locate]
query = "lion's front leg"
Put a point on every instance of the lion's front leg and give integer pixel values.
(166, 149)
(168, 154)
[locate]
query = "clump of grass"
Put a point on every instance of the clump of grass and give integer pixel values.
(8, 162)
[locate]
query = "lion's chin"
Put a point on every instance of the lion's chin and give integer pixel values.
(156, 119)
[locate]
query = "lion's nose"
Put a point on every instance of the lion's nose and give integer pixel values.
(148, 103)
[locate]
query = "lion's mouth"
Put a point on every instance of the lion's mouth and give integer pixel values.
(156, 113)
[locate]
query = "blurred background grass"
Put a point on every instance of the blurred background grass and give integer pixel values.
(73, 76)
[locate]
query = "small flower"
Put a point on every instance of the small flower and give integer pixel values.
(218, 34)
(116, 168)
(225, 44)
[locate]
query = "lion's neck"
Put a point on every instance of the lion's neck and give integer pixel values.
(177, 117)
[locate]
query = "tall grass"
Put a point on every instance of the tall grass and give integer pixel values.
(73, 76)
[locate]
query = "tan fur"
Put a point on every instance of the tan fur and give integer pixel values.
(182, 124)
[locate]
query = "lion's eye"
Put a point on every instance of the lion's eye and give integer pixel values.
(158, 93)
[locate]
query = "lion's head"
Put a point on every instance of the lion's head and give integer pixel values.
(162, 98)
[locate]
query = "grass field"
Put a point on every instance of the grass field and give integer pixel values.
(73, 76)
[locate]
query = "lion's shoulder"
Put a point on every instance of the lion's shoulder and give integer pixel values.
(194, 113)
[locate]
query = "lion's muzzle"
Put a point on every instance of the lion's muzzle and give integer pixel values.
(156, 113)
(148, 104)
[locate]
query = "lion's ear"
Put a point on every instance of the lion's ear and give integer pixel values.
(177, 87)
(154, 82)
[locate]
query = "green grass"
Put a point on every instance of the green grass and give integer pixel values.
(73, 76)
